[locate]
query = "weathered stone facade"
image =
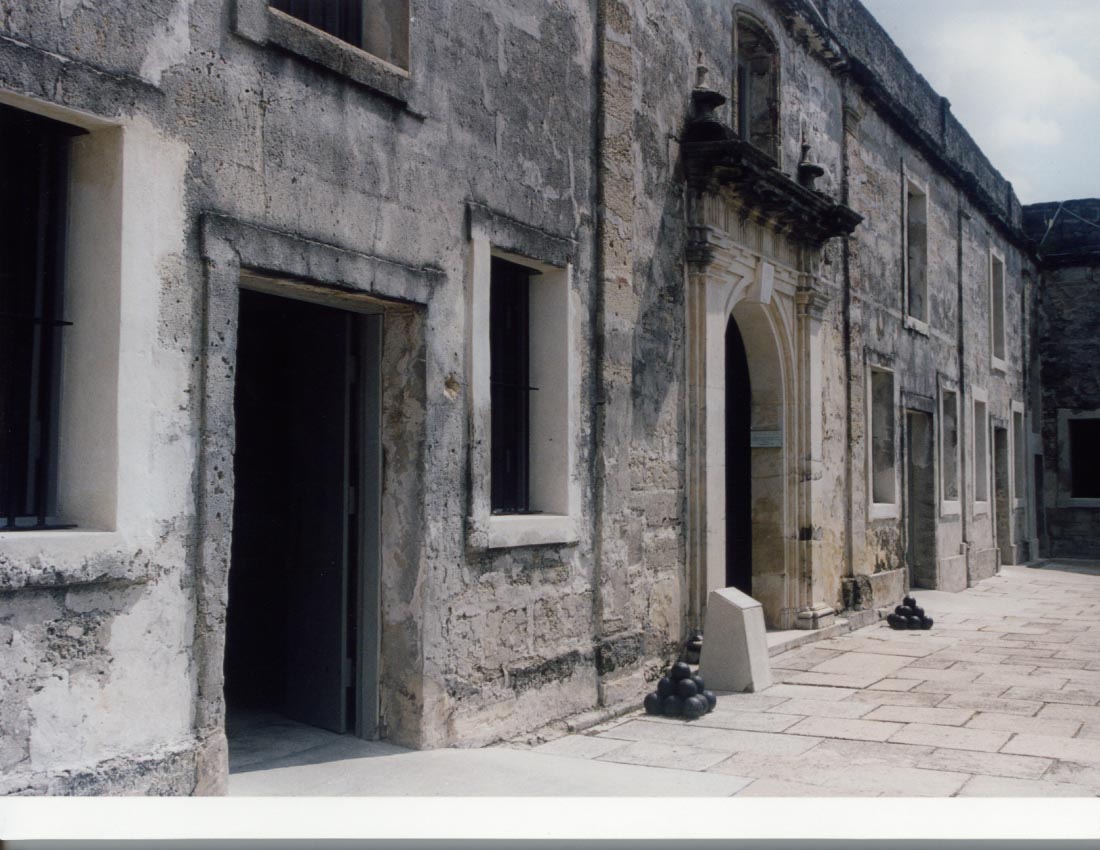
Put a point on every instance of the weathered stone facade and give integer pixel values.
(231, 147)
(1067, 380)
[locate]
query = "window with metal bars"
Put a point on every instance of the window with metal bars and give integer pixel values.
(380, 27)
(34, 197)
(510, 370)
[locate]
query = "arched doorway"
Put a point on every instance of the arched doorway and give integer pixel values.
(738, 462)
(757, 489)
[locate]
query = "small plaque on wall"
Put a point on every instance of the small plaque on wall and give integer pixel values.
(766, 439)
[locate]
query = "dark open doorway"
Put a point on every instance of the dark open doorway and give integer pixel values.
(302, 621)
(738, 462)
(1002, 498)
(920, 500)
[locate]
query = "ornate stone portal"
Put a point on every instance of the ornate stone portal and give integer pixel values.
(754, 245)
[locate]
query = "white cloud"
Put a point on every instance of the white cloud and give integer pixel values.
(1022, 76)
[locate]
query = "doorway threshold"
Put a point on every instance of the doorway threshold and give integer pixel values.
(266, 740)
(784, 640)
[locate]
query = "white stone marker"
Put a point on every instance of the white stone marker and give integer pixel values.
(735, 650)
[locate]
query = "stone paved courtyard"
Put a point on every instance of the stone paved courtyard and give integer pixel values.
(1001, 698)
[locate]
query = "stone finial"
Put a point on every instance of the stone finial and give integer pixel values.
(701, 71)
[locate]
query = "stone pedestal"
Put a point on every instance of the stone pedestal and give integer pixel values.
(735, 649)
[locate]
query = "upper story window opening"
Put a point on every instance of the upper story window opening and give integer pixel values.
(756, 85)
(380, 27)
(916, 252)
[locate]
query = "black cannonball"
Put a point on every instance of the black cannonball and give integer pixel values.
(695, 706)
(910, 601)
(711, 699)
(672, 706)
(699, 683)
(664, 687)
(926, 622)
(686, 688)
(680, 671)
(918, 612)
(903, 611)
(914, 622)
(652, 704)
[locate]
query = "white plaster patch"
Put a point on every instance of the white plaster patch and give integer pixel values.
(169, 44)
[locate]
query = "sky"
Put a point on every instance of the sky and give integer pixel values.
(1023, 77)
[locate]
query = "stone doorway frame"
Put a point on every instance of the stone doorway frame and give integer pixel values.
(740, 265)
(228, 247)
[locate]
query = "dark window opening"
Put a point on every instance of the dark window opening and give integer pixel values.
(34, 196)
(380, 27)
(1084, 458)
(757, 81)
(510, 370)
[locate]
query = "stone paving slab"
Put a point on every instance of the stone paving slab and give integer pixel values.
(992, 764)
(953, 737)
(788, 691)
(668, 756)
(1064, 711)
(709, 738)
(894, 685)
(921, 714)
(581, 746)
(873, 697)
(1000, 786)
(839, 727)
(1033, 725)
(1050, 746)
(822, 708)
(787, 788)
(747, 721)
(1022, 707)
(1072, 696)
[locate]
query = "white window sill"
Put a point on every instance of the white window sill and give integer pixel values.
(918, 325)
(39, 559)
(950, 510)
(981, 508)
(1018, 504)
(531, 530)
(998, 365)
(882, 510)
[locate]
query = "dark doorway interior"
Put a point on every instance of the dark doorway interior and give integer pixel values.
(1040, 507)
(738, 463)
(921, 500)
(293, 630)
(1003, 505)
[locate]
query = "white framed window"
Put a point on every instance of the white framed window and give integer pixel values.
(524, 489)
(949, 450)
(67, 442)
(882, 466)
(1019, 472)
(980, 454)
(997, 310)
(915, 253)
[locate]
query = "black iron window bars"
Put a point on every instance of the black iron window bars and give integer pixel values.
(510, 370)
(34, 183)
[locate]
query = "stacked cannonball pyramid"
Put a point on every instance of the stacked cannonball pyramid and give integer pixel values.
(680, 694)
(909, 615)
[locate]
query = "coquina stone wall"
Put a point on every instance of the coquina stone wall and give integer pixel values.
(237, 141)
